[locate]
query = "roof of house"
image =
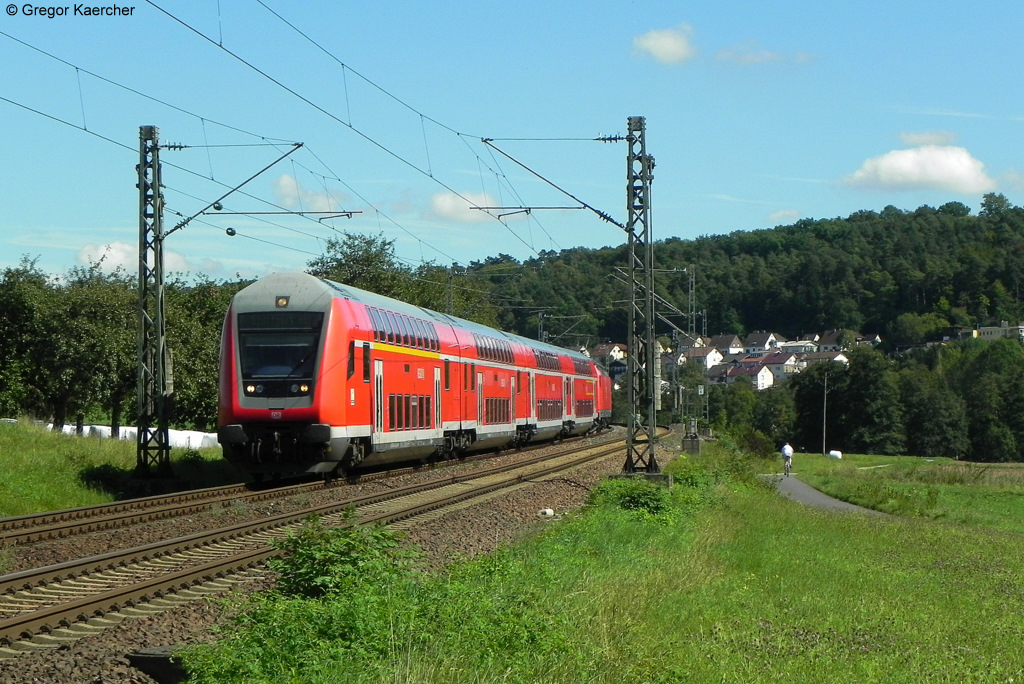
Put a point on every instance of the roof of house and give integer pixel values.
(762, 338)
(822, 356)
(745, 369)
(831, 337)
(700, 352)
(725, 341)
(606, 348)
(777, 357)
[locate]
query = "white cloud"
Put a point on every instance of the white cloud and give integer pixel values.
(928, 138)
(451, 207)
(748, 53)
(668, 46)
(292, 195)
(936, 167)
(784, 216)
(119, 253)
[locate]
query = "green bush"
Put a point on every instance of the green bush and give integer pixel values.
(319, 561)
(632, 494)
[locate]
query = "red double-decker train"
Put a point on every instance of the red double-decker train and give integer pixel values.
(319, 377)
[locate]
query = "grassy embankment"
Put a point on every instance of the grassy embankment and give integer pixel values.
(988, 495)
(43, 471)
(723, 580)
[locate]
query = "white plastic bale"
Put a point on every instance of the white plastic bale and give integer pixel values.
(98, 431)
(835, 454)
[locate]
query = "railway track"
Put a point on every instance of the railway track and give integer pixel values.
(49, 606)
(86, 519)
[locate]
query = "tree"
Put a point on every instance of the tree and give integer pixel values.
(195, 316)
(20, 288)
(364, 261)
(935, 417)
(775, 413)
(113, 301)
(994, 204)
(871, 404)
(816, 400)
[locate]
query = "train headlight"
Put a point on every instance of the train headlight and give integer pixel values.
(250, 389)
(259, 389)
(294, 388)
(304, 388)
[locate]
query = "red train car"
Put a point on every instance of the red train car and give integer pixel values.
(316, 376)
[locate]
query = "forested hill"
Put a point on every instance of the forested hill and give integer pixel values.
(905, 275)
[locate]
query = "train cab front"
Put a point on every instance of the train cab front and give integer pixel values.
(270, 423)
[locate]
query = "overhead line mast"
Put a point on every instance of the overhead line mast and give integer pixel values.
(154, 380)
(642, 379)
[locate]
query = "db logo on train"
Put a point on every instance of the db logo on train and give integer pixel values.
(275, 415)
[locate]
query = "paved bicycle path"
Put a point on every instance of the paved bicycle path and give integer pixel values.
(793, 488)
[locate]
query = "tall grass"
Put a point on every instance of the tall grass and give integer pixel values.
(985, 495)
(43, 471)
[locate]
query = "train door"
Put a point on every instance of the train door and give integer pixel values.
(437, 399)
(378, 395)
(533, 397)
(479, 398)
(512, 399)
(567, 409)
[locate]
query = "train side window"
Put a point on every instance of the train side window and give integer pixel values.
(351, 358)
(421, 337)
(447, 375)
(426, 412)
(366, 362)
(519, 382)
(407, 402)
(391, 411)
(401, 334)
(403, 323)
(378, 327)
(472, 378)
(415, 337)
(389, 327)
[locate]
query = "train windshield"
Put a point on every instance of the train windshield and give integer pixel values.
(278, 344)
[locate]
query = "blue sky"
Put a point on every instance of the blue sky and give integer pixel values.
(757, 113)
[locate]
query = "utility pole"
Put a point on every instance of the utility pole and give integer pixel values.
(641, 379)
(691, 311)
(154, 383)
(824, 414)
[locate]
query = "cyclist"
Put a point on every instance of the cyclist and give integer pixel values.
(787, 457)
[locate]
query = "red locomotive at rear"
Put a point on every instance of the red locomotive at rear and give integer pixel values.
(317, 376)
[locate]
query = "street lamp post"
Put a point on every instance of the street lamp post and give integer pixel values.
(824, 414)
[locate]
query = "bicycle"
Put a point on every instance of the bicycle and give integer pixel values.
(787, 464)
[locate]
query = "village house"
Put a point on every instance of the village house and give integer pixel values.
(761, 343)
(727, 344)
(708, 357)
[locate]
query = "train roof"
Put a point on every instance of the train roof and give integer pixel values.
(396, 305)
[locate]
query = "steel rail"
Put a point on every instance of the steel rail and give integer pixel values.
(99, 517)
(64, 613)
